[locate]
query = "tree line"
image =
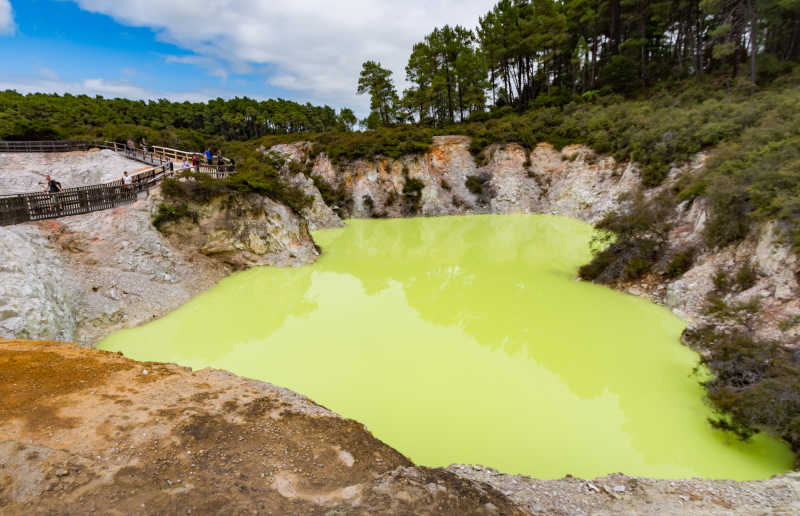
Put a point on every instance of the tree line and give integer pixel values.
(526, 53)
(51, 116)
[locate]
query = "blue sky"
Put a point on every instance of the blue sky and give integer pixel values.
(309, 50)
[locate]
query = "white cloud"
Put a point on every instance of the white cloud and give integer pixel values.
(108, 89)
(7, 26)
(317, 46)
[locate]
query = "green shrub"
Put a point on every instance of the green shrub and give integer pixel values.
(746, 277)
(721, 280)
(755, 384)
(630, 242)
(173, 212)
(636, 268)
(369, 204)
(412, 194)
(474, 184)
(335, 197)
(680, 263)
(255, 174)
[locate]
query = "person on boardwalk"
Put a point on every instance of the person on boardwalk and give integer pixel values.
(53, 188)
(52, 185)
(209, 156)
(195, 161)
(144, 144)
(131, 146)
(127, 181)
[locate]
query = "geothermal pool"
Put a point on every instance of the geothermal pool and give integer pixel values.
(468, 340)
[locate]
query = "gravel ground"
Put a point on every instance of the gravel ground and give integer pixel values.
(621, 494)
(23, 172)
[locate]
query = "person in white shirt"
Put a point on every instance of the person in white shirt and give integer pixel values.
(127, 180)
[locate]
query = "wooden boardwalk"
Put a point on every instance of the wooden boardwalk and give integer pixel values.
(26, 207)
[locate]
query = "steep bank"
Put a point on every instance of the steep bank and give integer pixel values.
(79, 278)
(83, 431)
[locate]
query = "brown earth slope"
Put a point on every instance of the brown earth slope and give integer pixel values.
(84, 430)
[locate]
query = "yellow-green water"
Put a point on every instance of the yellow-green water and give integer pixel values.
(467, 339)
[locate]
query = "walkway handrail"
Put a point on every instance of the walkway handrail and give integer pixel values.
(15, 209)
(18, 208)
(43, 146)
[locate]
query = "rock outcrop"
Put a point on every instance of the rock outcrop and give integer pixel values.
(574, 182)
(245, 230)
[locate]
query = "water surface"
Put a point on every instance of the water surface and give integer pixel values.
(467, 339)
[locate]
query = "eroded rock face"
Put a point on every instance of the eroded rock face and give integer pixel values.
(573, 182)
(84, 430)
(245, 230)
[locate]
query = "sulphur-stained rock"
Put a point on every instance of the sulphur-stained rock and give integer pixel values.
(245, 230)
(85, 431)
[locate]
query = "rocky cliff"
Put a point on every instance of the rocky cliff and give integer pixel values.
(574, 181)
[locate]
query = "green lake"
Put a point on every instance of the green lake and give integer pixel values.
(468, 340)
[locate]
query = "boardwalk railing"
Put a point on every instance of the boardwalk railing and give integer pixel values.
(44, 146)
(15, 209)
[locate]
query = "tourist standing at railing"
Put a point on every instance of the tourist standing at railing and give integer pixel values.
(209, 157)
(131, 146)
(220, 161)
(144, 145)
(127, 181)
(195, 161)
(185, 164)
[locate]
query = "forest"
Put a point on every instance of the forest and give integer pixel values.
(41, 116)
(539, 53)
